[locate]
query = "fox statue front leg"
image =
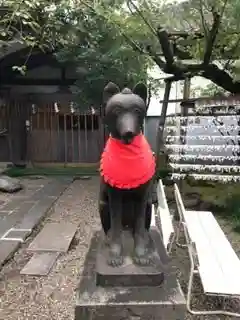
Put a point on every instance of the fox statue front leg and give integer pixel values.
(115, 237)
(142, 248)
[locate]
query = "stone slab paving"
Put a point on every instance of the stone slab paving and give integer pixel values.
(21, 212)
(13, 213)
(54, 237)
(7, 248)
(20, 234)
(40, 264)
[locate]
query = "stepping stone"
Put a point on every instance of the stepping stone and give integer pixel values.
(17, 234)
(52, 189)
(10, 219)
(40, 264)
(36, 214)
(54, 237)
(7, 249)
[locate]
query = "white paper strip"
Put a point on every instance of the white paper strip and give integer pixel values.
(192, 157)
(201, 168)
(204, 127)
(199, 148)
(226, 111)
(213, 139)
(211, 177)
(223, 103)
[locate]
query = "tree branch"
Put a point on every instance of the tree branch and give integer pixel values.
(156, 58)
(149, 96)
(211, 38)
(221, 78)
(181, 54)
(180, 71)
(204, 24)
(141, 15)
(171, 66)
(166, 46)
(133, 44)
(196, 35)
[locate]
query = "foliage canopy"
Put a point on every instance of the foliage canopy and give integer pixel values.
(118, 40)
(78, 36)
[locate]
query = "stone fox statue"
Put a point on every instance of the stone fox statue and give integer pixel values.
(127, 168)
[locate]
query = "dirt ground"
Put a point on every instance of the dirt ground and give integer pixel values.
(53, 296)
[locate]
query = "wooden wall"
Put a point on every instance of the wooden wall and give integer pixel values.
(57, 137)
(62, 136)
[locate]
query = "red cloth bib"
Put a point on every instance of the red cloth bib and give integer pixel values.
(127, 166)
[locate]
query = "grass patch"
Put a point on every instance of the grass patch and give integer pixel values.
(56, 171)
(162, 173)
(224, 199)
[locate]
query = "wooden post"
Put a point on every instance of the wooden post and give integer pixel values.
(79, 137)
(29, 128)
(161, 123)
(86, 137)
(72, 137)
(65, 140)
(184, 109)
(184, 113)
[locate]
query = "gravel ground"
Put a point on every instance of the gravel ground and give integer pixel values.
(53, 297)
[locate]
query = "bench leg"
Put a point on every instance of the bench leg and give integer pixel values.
(84, 313)
(179, 229)
(171, 242)
(204, 312)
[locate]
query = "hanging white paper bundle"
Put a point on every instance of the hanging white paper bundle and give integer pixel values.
(214, 128)
(213, 139)
(221, 104)
(221, 135)
(210, 177)
(205, 119)
(209, 158)
(199, 148)
(203, 168)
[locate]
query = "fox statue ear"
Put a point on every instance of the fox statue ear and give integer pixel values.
(141, 90)
(110, 90)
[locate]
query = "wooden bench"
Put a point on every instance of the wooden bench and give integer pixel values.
(211, 256)
(163, 217)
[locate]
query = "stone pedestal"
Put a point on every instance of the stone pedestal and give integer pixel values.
(118, 301)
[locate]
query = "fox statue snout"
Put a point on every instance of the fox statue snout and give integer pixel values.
(128, 127)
